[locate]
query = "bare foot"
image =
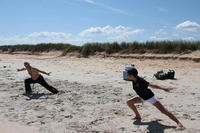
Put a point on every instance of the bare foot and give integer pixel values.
(180, 127)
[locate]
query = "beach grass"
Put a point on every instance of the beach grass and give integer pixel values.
(156, 47)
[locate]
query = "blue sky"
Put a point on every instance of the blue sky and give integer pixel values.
(81, 21)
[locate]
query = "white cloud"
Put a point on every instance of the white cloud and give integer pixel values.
(12, 40)
(188, 38)
(118, 33)
(114, 9)
(155, 38)
(93, 31)
(189, 26)
(117, 10)
(37, 37)
(49, 35)
(110, 31)
(90, 1)
(132, 32)
(161, 32)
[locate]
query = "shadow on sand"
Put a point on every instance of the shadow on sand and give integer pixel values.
(153, 126)
(36, 96)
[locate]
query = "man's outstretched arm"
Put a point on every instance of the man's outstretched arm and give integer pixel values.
(42, 71)
(22, 69)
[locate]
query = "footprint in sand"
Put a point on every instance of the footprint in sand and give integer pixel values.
(40, 116)
(97, 121)
(122, 129)
(186, 116)
(69, 116)
(58, 101)
(118, 112)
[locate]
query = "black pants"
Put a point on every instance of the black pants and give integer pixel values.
(41, 81)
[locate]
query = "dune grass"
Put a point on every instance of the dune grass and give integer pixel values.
(157, 47)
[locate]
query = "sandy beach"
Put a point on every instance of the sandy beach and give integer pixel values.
(93, 95)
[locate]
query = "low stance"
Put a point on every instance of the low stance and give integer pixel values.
(36, 77)
(145, 94)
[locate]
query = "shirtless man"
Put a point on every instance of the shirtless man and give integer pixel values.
(36, 77)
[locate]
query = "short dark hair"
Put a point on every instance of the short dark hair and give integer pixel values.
(26, 64)
(133, 72)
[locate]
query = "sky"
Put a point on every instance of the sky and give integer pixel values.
(80, 21)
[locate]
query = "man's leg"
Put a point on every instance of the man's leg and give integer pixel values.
(131, 105)
(27, 83)
(46, 85)
(162, 109)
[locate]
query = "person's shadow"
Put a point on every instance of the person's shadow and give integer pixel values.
(36, 96)
(153, 126)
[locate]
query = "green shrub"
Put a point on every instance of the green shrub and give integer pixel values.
(87, 49)
(11, 50)
(4, 49)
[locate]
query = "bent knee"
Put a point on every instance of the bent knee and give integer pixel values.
(128, 102)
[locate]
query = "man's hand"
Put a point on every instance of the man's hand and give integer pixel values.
(49, 73)
(167, 89)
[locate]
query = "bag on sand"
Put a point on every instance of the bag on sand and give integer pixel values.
(161, 75)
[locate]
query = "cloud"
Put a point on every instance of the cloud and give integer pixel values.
(155, 38)
(189, 26)
(37, 37)
(49, 35)
(93, 31)
(114, 9)
(108, 31)
(12, 40)
(117, 10)
(188, 38)
(161, 32)
(90, 1)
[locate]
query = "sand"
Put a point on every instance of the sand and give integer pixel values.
(93, 95)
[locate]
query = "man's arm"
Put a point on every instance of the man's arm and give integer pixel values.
(42, 71)
(159, 87)
(22, 69)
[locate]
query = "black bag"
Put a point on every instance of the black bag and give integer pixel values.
(161, 75)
